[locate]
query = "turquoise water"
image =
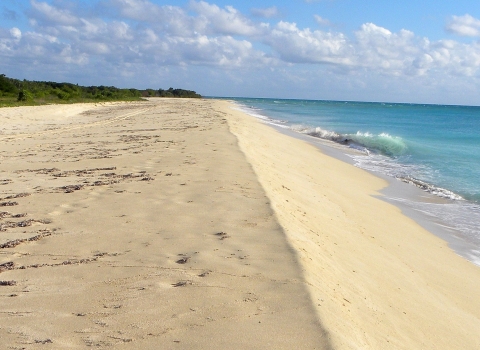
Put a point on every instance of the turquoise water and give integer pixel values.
(434, 147)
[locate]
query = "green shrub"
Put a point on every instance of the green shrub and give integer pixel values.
(62, 95)
(24, 96)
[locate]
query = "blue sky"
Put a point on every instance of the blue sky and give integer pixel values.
(408, 51)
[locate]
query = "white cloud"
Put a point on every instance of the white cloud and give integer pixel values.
(16, 33)
(456, 59)
(268, 12)
(322, 21)
(130, 34)
(120, 31)
(141, 31)
(226, 21)
(51, 14)
(378, 48)
(223, 51)
(168, 19)
(464, 25)
(305, 46)
(91, 27)
(140, 10)
(95, 48)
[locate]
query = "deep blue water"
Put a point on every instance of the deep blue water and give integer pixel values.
(436, 147)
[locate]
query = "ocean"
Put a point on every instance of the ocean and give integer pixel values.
(433, 147)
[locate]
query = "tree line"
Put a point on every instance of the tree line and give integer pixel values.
(14, 91)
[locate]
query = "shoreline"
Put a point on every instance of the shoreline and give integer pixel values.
(403, 195)
(378, 279)
(400, 194)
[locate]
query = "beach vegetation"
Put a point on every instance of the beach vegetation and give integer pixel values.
(24, 95)
(7, 87)
(14, 92)
(171, 92)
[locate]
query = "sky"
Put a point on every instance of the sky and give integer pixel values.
(371, 50)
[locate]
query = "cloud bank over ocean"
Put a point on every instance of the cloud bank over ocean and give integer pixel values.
(122, 39)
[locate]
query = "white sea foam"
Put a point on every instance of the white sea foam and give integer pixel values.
(474, 256)
(462, 217)
(383, 142)
(317, 132)
(407, 173)
(257, 113)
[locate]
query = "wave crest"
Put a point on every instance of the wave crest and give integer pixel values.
(317, 132)
(384, 143)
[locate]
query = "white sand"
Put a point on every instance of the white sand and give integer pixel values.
(283, 247)
(119, 195)
(378, 279)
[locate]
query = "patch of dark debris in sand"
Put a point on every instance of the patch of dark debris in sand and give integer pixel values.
(7, 266)
(71, 188)
(89, 177)
(82, 172)
(132, 131)
(183, 260)
(184, 128)
(222, 235)
(8, 283)
(38, 171)
(8, 204)
(141, 174)
(112, 178)
(73, 152)
(182, 284)
(123, 340)
(22, 215)
(76, 261)
(19, 195)
(136, 138)
(55, 172)
(15, 242)
(63, 263)
(24, 223)
(6, 214)
(96, 343)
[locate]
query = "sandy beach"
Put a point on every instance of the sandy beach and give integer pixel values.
(185, 224)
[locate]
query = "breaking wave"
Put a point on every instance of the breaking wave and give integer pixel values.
(382, 143)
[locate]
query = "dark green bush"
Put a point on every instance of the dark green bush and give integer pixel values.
(25, 96)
